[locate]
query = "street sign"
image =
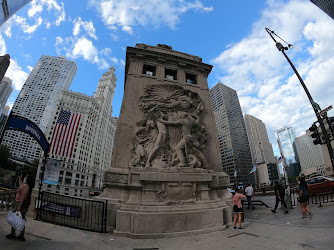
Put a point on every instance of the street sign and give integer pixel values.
(322, 112)
(316, 106)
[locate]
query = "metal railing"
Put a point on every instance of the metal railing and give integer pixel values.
(72, 212)
(317, 196)
(254, 202)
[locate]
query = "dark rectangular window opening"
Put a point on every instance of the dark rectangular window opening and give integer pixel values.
(190, 78)
(170, 74)
(149, 70)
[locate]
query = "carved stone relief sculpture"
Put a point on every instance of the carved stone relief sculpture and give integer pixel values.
(170, 133)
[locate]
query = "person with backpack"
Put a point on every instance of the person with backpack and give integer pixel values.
(23, 198)
(280, 193)
(303, 197)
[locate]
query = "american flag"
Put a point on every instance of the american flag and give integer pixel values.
(64, 133)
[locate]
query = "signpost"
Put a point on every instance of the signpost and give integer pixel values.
(324, 111)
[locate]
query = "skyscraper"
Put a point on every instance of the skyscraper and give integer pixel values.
(4, 64)
(311, 156)
(38, 101)
(9, 8)
(5, 91)
(3, 118)
(326, 5)
(83, 165)
(286, 143)
(232, 136)
(261, 149)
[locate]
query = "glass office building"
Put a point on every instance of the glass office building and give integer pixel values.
(326, 5)
(232, 135)
(9, 8)
(287, 146)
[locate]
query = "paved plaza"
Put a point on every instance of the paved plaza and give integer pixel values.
(263, 230)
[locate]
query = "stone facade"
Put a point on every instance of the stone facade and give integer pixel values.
(166, 177)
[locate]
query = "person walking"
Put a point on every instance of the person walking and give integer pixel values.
(280, 193)
(237, 208)
(23, 198)
(303, 197)
(249, 191)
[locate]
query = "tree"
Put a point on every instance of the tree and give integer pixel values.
(34, 167)
(5, 158)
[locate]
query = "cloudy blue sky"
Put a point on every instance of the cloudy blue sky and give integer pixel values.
(230, 35)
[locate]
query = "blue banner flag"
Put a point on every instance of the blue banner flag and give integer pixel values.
(19, 123)
(253, 169)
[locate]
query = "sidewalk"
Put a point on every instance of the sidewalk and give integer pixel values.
(263, 230)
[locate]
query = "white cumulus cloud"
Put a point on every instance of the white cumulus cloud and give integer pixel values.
(87, 26)
(265, 82)
(14, 71)
(85, 48)
(129, 13)
(36, 16)
(26, 28)
(17, 75)
(81, 45)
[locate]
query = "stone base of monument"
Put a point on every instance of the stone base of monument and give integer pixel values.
(169, 202)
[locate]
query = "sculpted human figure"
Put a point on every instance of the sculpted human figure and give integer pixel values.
(139, 155)
(161, 138)
(142, 135)
(187, 142)
(194, 162)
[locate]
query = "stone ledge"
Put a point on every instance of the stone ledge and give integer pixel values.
(170, 235)
(175, 177)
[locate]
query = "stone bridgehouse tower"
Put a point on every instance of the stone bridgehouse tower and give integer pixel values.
(166, 177)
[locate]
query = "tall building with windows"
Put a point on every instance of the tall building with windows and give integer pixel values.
(311, 156)
(83, 166)
(326, 5)
(232, 136)
(287, 146)
(3, 118)
(9, 8)
(5, 91)
(38, 102)
(261, 150)
(4, 64)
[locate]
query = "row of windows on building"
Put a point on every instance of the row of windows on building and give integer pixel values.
(170, 74)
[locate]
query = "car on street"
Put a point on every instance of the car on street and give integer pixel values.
(320, 184)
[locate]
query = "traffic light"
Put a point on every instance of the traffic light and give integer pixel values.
(315, 134)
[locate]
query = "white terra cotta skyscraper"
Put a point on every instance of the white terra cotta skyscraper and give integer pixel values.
(261, 150)
(38, 101)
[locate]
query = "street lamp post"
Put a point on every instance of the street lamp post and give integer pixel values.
(315, 106)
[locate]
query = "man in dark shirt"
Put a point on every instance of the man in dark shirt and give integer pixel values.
(280, 193)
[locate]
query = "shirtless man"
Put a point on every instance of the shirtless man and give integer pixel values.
(187, 122)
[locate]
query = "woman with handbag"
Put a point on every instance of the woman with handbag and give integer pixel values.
(23, 197)
(303, 197)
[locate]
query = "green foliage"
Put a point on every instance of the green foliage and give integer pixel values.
(4, 158)
(34, 164)
(292, 178)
